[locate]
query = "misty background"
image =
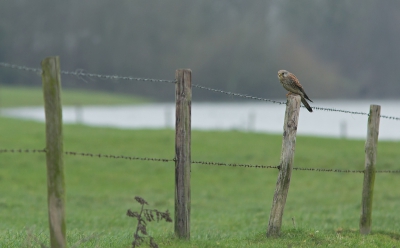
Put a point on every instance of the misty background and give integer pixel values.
(338, 49)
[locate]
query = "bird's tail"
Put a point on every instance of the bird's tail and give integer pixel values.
(306, 97)
(308, 107)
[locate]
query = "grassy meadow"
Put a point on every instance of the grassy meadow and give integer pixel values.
(230, 205)
(33, 96)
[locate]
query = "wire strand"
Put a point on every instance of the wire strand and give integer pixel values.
(256, 166)
(279, 102)
(80, 74)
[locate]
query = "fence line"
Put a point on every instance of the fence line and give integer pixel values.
(254, 166)
(80, 74)
(183, 93)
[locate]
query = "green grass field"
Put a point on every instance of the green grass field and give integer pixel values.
(230, 206)
(25, 96)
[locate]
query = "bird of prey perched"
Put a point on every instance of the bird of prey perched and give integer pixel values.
(292, 84)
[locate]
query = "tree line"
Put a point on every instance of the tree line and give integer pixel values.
(338, 49)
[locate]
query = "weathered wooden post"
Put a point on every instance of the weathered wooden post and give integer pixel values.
(369, 172)
(51, 81)
(183, 98)
(286, 165)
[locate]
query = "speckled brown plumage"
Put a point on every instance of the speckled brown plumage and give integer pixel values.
(290, 82)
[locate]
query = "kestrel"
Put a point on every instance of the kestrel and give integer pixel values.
(292, 84)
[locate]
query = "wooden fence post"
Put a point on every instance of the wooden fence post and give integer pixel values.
(183, 98)
(51, 81)
(286, 165)
(369, 172)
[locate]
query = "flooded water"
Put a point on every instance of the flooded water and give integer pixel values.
(249, 117)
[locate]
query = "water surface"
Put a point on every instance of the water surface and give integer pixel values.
(248, 116)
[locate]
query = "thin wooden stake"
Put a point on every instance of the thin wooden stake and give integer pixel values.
(51, 81)
(369, 173)
(183, 97)
(286, 165)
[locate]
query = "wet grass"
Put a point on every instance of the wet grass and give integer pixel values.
(230, 205)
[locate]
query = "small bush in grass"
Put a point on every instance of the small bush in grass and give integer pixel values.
(143, 216)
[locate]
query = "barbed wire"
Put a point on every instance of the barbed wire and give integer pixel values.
(236, 165)
(328, 170)
(115, 77)
(22, 150)
(81, 74)
(278, 167)
(237, 94)
(279, 102)
(257, 166)
(99, 155)
(20, 67)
